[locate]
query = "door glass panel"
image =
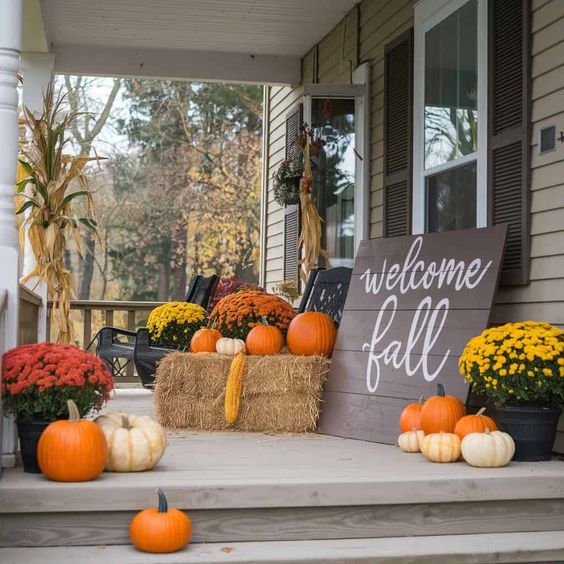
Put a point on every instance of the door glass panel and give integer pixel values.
(332, 120)
(451, 199)
(451, 78)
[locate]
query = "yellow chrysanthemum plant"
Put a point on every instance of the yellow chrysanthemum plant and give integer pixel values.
(174, 323)
(516, 364)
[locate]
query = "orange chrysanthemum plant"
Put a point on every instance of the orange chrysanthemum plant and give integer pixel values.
(236, 314)
(38, 379)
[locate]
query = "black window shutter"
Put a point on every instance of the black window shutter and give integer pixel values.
(509, 84)
(398, 134)
(292, 219)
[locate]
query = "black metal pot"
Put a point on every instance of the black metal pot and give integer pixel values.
(532, 428)
(29, 433)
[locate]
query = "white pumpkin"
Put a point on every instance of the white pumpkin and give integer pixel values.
(229, 346)
(488, 450)
(441, 447)
(411, 440)
(135, 442)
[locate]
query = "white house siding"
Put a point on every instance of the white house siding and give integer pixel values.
(369, 27)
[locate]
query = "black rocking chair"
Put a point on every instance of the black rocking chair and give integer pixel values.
(147, 355)
(116, 347)
(326, 291)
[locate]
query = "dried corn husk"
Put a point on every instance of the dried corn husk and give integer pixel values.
(310, 237)
(48, 203)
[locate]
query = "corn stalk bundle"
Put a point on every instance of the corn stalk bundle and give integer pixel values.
(310, 237)
(47, 202)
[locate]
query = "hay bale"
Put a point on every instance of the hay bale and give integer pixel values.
(281, 393)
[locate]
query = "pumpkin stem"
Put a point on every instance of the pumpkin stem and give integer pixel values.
(264, 320)
(163, 503)
(421, 400)
(482, 409)
(74, 414)
(441, 390)
(125, 422)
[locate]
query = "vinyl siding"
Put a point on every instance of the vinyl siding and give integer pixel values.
(543, 298)
(368, 28)
(362, 37)
(282, 99)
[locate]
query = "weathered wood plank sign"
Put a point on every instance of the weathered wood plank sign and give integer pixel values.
(413, 304)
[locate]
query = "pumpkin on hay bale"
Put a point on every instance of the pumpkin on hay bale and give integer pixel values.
(280, 393)
(236, 314)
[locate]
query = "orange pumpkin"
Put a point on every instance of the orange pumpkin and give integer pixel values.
(204, 340)
(73, 450)
(160, 529)
(264, 339)
(478, 423)
(311, 333)
(441, 413)
(410, 417)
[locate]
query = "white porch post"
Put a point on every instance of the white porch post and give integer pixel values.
(10, 46)
(37, 71)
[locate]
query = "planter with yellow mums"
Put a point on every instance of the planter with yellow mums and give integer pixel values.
(173, 324)
(520, 368)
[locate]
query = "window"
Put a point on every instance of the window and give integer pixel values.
(450, 115)
(337, 115)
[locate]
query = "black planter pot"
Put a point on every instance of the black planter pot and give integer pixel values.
(532, 428)
(29, 433)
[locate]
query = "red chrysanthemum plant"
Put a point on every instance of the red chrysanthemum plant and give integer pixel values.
(38, 379)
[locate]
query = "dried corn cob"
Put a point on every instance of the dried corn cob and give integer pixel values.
(233, 387)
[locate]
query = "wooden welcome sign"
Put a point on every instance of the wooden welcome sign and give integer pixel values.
(413, 304)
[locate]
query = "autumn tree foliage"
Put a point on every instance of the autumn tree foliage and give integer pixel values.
(184, 197)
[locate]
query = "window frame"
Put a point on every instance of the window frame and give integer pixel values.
(429, 13)
(359, 90)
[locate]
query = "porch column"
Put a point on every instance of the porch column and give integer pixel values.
(10, 46)
(37, 71)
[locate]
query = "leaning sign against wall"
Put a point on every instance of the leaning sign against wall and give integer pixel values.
(413, 304)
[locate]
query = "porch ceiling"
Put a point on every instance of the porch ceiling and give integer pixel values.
(225, 38)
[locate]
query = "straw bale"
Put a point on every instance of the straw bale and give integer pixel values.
(281, 393)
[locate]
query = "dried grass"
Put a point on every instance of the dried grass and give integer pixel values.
(281, 394)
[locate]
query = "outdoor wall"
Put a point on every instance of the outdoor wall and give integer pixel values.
(281, 100)
(544, 297)
(367, 29)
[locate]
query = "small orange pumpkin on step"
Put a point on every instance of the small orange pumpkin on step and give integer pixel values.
(72, 450)
(160, 529)
(410, 417)
(478, 423)
(441, 413)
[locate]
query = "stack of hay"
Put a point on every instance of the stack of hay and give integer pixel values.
(281, 393)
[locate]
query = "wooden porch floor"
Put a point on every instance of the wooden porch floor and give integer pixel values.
(243, 487)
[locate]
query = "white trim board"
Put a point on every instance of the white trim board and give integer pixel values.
(177, 64)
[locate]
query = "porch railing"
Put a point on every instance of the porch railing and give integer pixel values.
(89, 316)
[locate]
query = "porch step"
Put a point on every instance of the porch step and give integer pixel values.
(88, 528)
(458, 549)
(247, 488)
